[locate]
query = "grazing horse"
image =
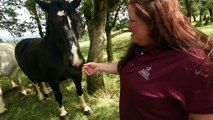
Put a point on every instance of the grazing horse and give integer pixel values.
(8, 68)
(56, 57)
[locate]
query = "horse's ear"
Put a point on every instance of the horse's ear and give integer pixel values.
(75, 3)
(44, 6)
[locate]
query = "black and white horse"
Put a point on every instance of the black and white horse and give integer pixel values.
(56, 57)
(9, 68)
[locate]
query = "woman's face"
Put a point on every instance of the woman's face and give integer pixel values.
(140, 30)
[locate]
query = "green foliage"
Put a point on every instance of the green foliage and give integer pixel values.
(30, 5)
(198, 24)
(8, 17)
(113, 3)
(121, 19)
(197, 7)
(88, 9)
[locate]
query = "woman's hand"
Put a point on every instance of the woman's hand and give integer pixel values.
(90, 68)
(93, 67)
(201, 116)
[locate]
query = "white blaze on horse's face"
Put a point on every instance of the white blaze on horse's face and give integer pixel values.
(76, 60)
(61, 13)
(69, 21)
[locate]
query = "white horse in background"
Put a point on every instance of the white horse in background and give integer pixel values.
(8, 68)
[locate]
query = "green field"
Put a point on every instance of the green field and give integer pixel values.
(207, 29)
(105, 106)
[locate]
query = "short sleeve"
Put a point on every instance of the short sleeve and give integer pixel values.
(190, 85)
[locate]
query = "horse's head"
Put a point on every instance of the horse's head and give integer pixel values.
(63, 27)
(62, 14)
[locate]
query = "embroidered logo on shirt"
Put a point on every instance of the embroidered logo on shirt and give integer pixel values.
(145, 72)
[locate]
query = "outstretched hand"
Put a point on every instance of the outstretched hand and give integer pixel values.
(90, 68)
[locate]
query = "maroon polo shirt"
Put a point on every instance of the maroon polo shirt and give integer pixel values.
(160, 84)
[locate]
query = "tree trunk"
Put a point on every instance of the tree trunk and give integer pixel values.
(96, 35)
(189, 9)
(202, 12)
(201, 16)
(96, 25)
(194, 17)
(211, 14)
(109, 46)
(38, 21)
(108, 30)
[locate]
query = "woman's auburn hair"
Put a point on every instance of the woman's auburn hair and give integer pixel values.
(169, 28)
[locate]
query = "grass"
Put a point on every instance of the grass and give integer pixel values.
(105, 106)
(207, 29)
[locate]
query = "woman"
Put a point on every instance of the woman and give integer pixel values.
(167, 71)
